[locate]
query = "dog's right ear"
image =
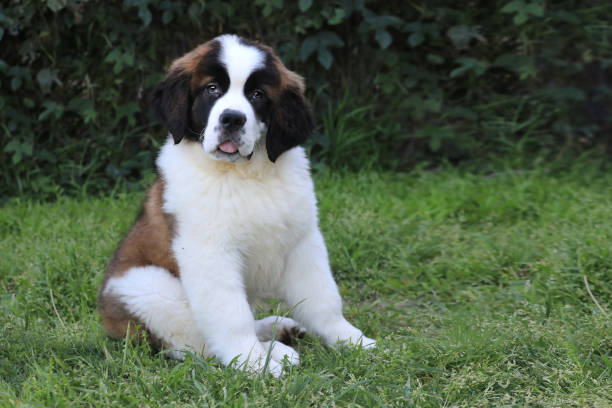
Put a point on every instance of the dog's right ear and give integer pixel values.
(171, 102)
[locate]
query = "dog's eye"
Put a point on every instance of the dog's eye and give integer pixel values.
(213, 89)
(256, 94)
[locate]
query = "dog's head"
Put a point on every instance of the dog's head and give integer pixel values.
(229, 94)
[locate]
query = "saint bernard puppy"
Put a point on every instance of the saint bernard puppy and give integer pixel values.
(232, 218)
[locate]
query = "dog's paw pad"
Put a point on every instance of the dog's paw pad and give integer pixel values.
(289, 335)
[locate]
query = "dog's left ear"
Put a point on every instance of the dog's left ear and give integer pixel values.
(291, 123)
(171, 102)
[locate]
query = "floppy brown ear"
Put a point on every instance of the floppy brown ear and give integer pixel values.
(171, 102)
(291, 123)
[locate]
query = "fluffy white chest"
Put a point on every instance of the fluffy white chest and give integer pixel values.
(257, 213)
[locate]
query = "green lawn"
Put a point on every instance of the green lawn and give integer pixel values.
(473, 285)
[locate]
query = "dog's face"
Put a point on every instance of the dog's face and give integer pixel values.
(230, 95)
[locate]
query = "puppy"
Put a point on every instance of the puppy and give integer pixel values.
(231, 218)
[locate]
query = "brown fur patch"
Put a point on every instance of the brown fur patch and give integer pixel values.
(200, 80)
(149, 242)
(288, 78)
(190, 61)
(120, 324)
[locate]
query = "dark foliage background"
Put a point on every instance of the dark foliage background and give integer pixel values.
(394, 83)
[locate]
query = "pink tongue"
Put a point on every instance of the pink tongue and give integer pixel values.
(228, 147)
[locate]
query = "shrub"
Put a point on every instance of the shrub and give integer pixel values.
(393, 82)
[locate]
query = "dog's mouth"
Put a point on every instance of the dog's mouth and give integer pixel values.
(228, 151)
(228, 147)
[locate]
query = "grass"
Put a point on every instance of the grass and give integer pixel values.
(473, 285)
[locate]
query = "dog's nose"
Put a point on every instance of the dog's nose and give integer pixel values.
(232, 120)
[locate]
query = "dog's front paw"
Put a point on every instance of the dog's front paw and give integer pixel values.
(270, 357)
(283, 329)
(343, 333)
(366, 342)
(282, 353)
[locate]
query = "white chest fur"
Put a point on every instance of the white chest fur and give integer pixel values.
(257, 211)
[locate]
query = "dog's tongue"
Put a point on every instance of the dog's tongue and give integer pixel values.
(228, 147)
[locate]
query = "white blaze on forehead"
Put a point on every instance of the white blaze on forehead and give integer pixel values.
(240, 60)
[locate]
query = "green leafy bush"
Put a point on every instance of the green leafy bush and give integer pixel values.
(393, 83)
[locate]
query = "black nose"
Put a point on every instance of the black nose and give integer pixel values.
(232, 120)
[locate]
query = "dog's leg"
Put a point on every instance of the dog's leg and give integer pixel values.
(283, 329)
(217, 298)
(152, 296)
(309, 287)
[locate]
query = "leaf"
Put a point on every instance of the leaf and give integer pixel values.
(320, 43)
(89, 115)
(195, 11)
(459, 71)
(26, 149)
(383, 38)
(308, 47)
(415, 39)
(75, 104)
(564, 17)
(167, 16)
(413, 27)
(12, 146)
(304, 5)
(436, 135)
(435, 143)
(56, 5)
(337, 17)
(522, 10)
(19, 149)
(128, 110)
(376, 22)
(462, 35)
(330, 39)
(16, 83)
(16, 157)
(51, 108)
(520, 18)
(46, 155)
(435, 59)
(46, 77)
(120, 59)
(325, 57)
(514, 6)
(145, 15)
(83, 107)
(565, 93)
(44, 114)
(522, 65)
(469, 64)
(152, 79)
(269, 6)
(535, 9)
